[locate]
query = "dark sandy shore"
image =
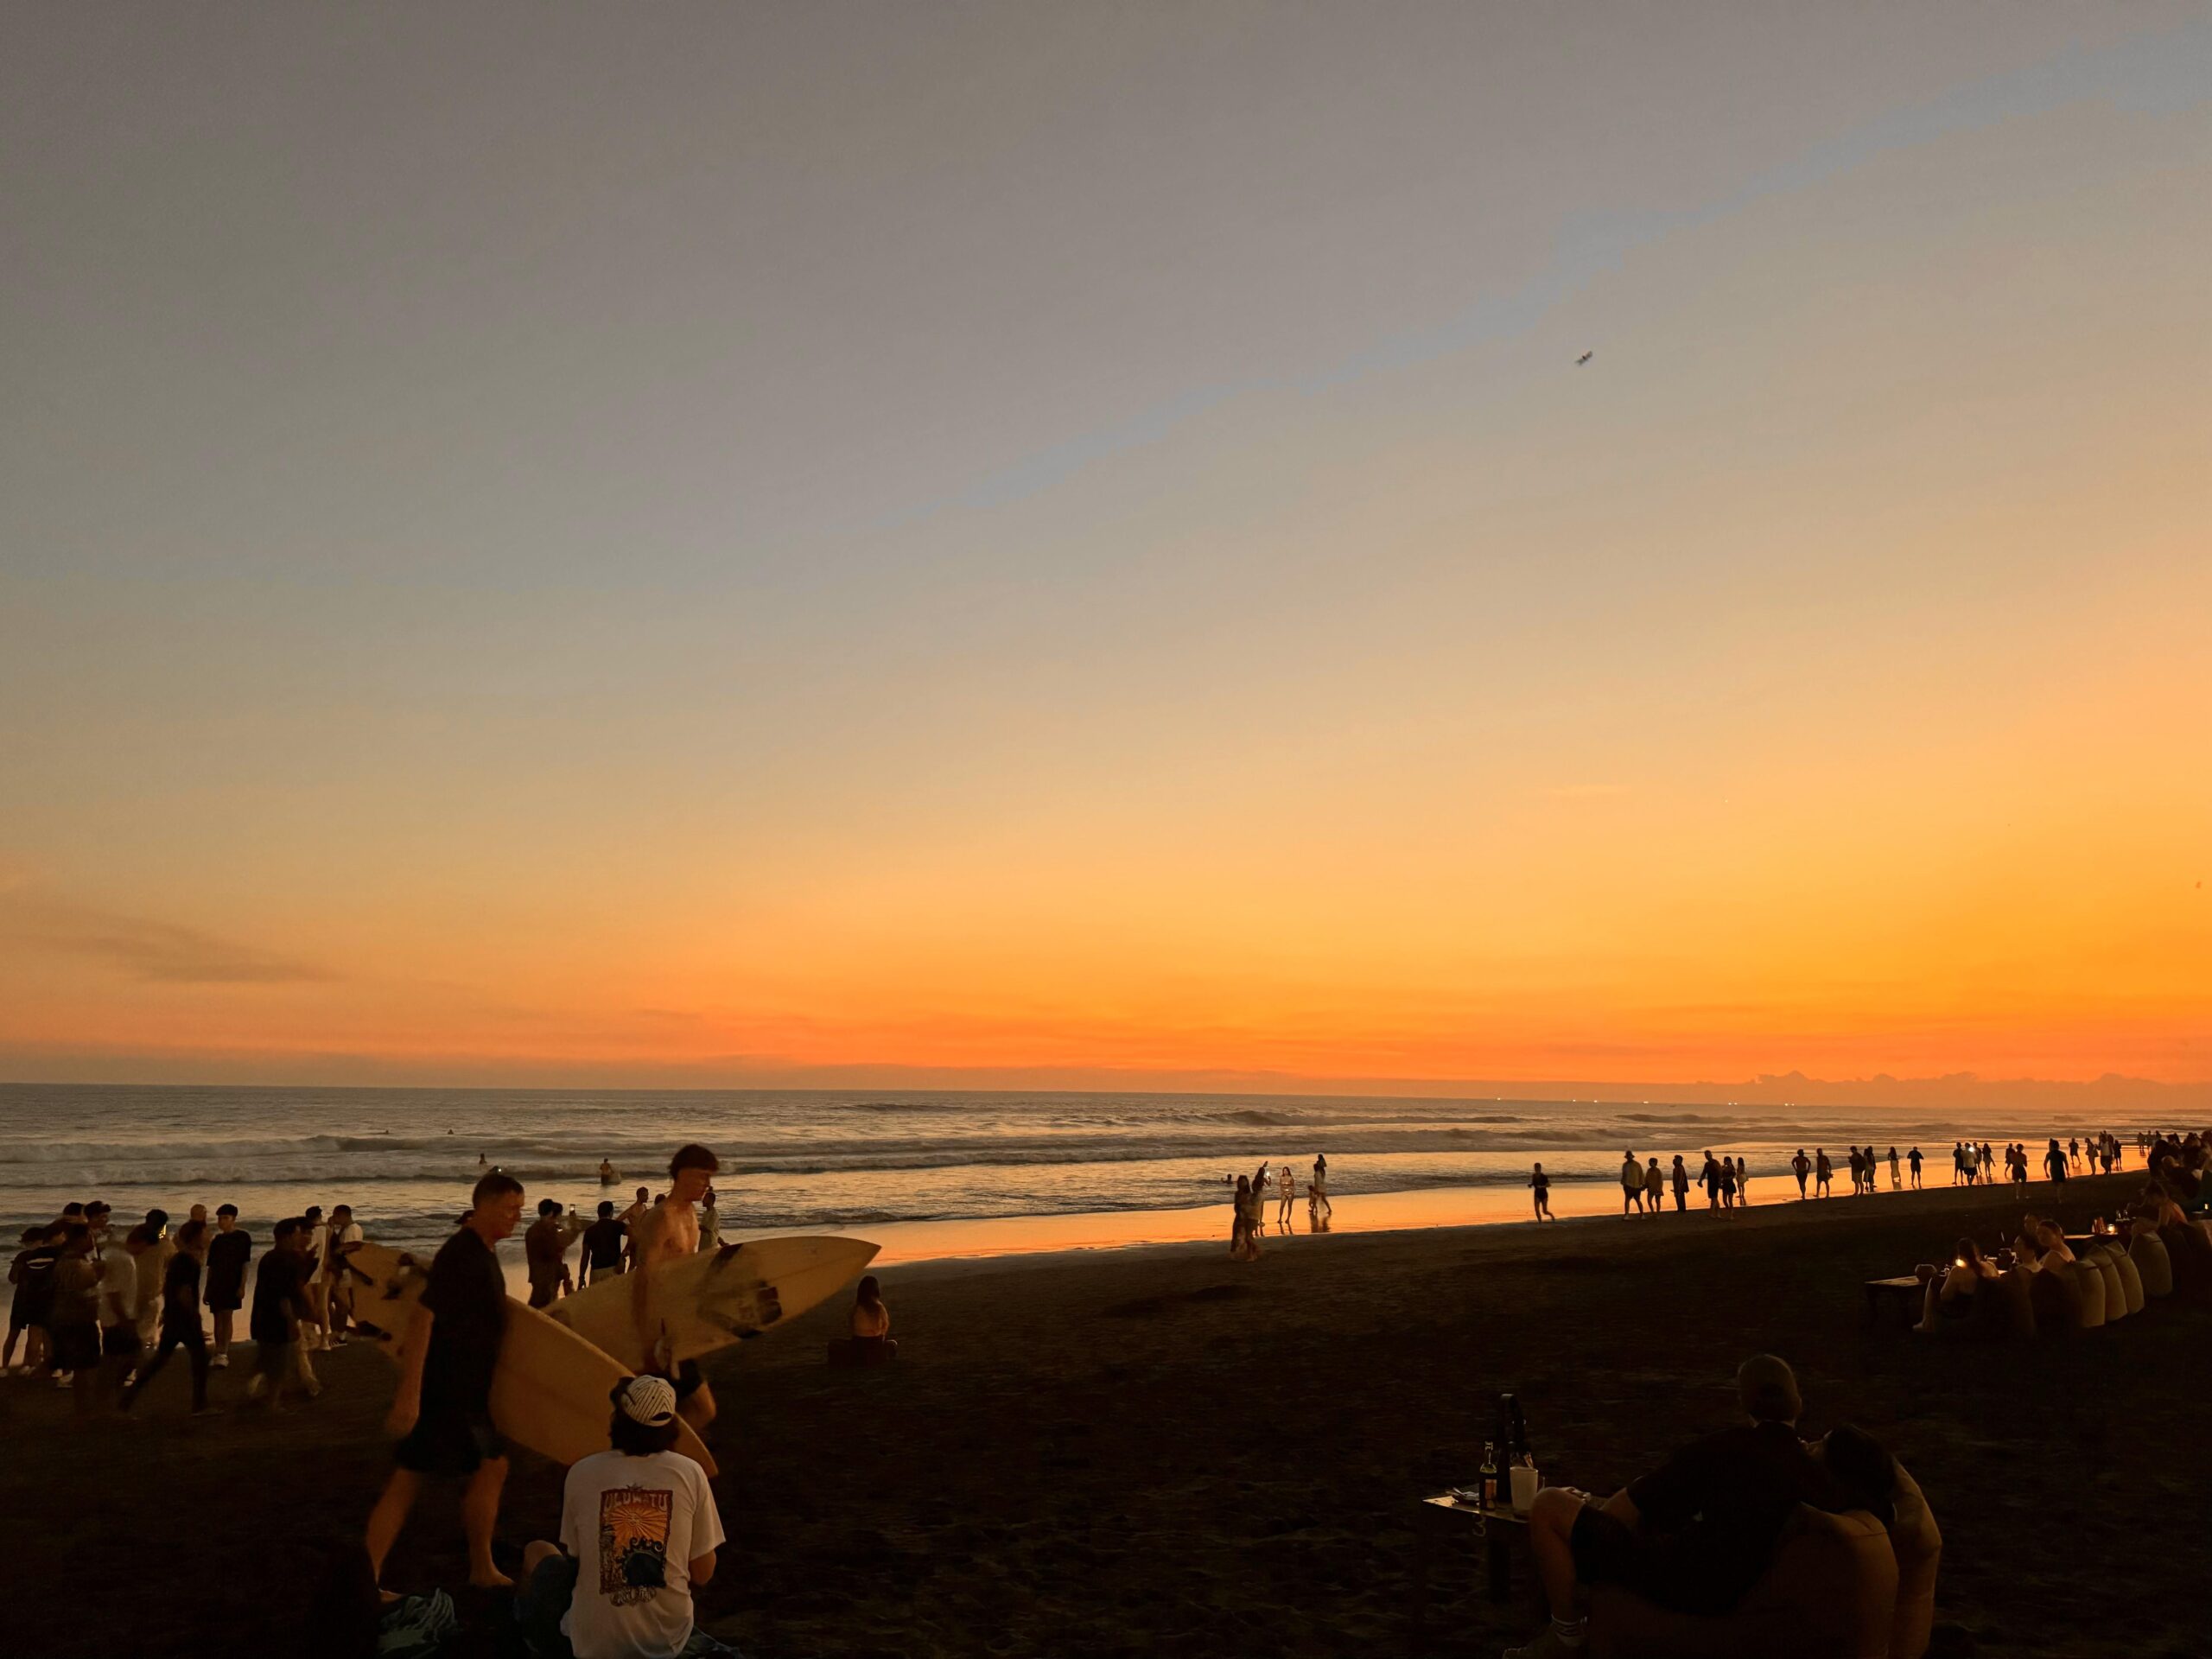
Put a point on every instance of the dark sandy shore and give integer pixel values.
(1161, 1451)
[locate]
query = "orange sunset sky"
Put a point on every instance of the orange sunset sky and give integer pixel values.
(779, 546)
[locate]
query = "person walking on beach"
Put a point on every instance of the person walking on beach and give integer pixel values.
(1541, 1185)
(1857, 1175)
(1631, 1183)
(228, 1252)
(1913, 1158)
(1743, 1184)
(180, 1319)
(1654, 1186)
(603, 1243)
(2054, 1162)
(338, 1295)
(545, 1256)
(670, 1232)
(75, 1334)
(280, 1315)
(443, 1408)
(1681, 1178)
(1709, 1179)
(1728, 1184)
(1988, 1166)
(1801, 1166)
(1894, 1182)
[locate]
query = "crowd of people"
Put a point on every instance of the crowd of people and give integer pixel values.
(102, 1306)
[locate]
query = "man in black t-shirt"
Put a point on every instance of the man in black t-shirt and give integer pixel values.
(442, 1410)
(280, 1304)
(180, 1318)
(1696, 1534)
(228, 1251)
(603, 1243)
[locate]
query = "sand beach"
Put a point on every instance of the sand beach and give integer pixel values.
(1159, 1451)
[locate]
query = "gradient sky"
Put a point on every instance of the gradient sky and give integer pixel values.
(782, 543)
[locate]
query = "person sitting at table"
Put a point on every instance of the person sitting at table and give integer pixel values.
(1696, 1534)
(2050, 1240)
(871, 1319)
(1951, 1292)
(2052, 1293)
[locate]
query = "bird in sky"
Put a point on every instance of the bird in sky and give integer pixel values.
(1585, 358)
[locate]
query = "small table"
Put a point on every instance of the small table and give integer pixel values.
(1907, 1291)
(1443, 1516)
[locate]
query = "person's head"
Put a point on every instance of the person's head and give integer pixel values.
(342, 1216)
(312, 1214)
(34, 1235)
(868, 1293)
(1768, 1389)
(1540, 1166)
(2025, 1248)
(548, 1207)
(192, 1238)
(495, 1205)
(1862, 1466)
(1243, 1183)
(607, 1208)
(2050, 1235)
(644, 1193)
(96, 1214)
(199, 1213)
(689, 1172)
(644, 1415)
(286, 1233)
(76, 1238)
(72, 1211)
(1968, 1254)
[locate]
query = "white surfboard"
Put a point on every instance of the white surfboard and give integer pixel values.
(714, 1298)
(549, 1393)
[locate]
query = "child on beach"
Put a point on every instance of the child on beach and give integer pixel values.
(1653, 1184)
(1541, 1185)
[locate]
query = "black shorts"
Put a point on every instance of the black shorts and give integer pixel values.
(76, 1346)
(121, 1342)
(1608, 1551)
(223, 1297)
(447, 1443)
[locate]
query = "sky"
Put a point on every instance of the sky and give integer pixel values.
(767, 544)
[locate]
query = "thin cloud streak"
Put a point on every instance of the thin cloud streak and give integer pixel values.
(143, 948)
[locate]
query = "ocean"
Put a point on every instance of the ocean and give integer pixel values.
(828, 1160)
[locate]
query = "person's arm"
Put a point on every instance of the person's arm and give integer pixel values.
(643, 1236)
(407, 1399)
(702, 1568)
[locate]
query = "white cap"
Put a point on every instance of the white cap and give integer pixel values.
(647, 1400)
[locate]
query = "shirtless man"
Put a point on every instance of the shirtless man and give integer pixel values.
(670, 1232)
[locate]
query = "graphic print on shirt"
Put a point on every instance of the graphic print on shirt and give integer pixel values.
(633, 1524)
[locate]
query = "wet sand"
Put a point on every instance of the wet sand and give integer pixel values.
(1159, 1451)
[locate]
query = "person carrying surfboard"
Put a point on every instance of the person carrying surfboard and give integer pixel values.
(443, 1409)
(667, 1233)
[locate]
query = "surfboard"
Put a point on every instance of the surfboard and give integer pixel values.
(716, 1297)
(550, 1391)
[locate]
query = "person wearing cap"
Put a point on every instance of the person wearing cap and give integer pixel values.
(441, 1411)
(1698, 1532)
(638, 1529)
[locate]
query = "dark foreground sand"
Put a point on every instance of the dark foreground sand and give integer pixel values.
(1165, 1452)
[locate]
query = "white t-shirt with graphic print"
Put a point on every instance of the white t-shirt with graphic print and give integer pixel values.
(634, 1526)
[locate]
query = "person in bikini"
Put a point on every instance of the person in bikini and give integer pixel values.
(668, 1232)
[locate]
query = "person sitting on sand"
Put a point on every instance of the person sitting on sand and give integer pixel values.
(1801, 1166)
(1950, 1293)
(871, 1319)
(441, 1411)
(1696, 1534)
(639, 1531)
(1541, 1185)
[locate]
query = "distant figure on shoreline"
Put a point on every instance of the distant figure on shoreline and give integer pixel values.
(1913, 1158)
(1743, 1182)
(1632, 1184)
(1655, 1186)
(1682, 1186)
(1823, 1173)
(1288, 1190)
(1801, 1166)
(1242, 1246)
(1541, 1185)
(608, 1174)
(1709, 1179)
(1895, 1184)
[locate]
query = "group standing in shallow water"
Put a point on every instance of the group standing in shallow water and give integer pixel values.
(1248, 1222)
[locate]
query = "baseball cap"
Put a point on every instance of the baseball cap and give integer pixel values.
(647, 1400)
